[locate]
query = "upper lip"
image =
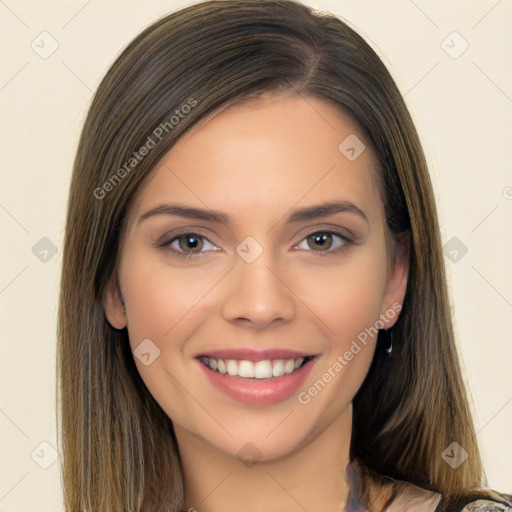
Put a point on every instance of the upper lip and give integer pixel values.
(254, 354)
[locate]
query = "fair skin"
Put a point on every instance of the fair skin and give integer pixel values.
(258, 162)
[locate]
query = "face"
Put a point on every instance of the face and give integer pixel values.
(272, 304)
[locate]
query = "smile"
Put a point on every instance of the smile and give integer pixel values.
(264, 369)
(254, 379)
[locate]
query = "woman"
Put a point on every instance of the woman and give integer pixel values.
(253, 308)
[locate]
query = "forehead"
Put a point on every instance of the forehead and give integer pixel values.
(267, 155)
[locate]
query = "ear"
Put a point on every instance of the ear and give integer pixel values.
(113, 305)
(396, 285)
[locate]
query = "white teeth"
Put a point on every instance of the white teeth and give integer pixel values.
(245, 369)
(278, 369)
(221, 366)
(232, 367)
(254, 370)
(289, 366)
(263, 369)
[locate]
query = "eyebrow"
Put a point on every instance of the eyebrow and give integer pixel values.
(301, 214)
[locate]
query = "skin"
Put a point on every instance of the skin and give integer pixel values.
(271, 155)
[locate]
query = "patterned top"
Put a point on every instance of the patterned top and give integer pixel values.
(486, 506)
(430, 503)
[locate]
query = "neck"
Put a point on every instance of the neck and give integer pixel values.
(310, 478)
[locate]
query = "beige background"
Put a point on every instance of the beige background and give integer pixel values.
(462, 108)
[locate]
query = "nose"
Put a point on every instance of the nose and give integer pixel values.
(258, 294)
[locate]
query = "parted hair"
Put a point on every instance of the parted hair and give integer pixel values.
(118, 448)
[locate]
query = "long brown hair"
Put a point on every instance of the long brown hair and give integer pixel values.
(118, 449)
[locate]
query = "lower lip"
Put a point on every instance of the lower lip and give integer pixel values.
(259, 392)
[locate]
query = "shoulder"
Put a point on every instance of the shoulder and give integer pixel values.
(416, 499)
(486, 506)
(502, 503)
(412, 498)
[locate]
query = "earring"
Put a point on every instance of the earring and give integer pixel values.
(387, 343)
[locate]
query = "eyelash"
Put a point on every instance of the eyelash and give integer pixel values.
(187, 255)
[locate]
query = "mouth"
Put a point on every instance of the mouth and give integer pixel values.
(255, 370)
(257, 377)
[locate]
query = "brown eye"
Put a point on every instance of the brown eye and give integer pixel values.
(325, 242)
(190, 242)
(187, 245)
(320, 240)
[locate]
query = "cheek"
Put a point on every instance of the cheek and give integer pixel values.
(165, 305)
(348, 300)
(349, 307)
(347, 296)
(161, 300)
